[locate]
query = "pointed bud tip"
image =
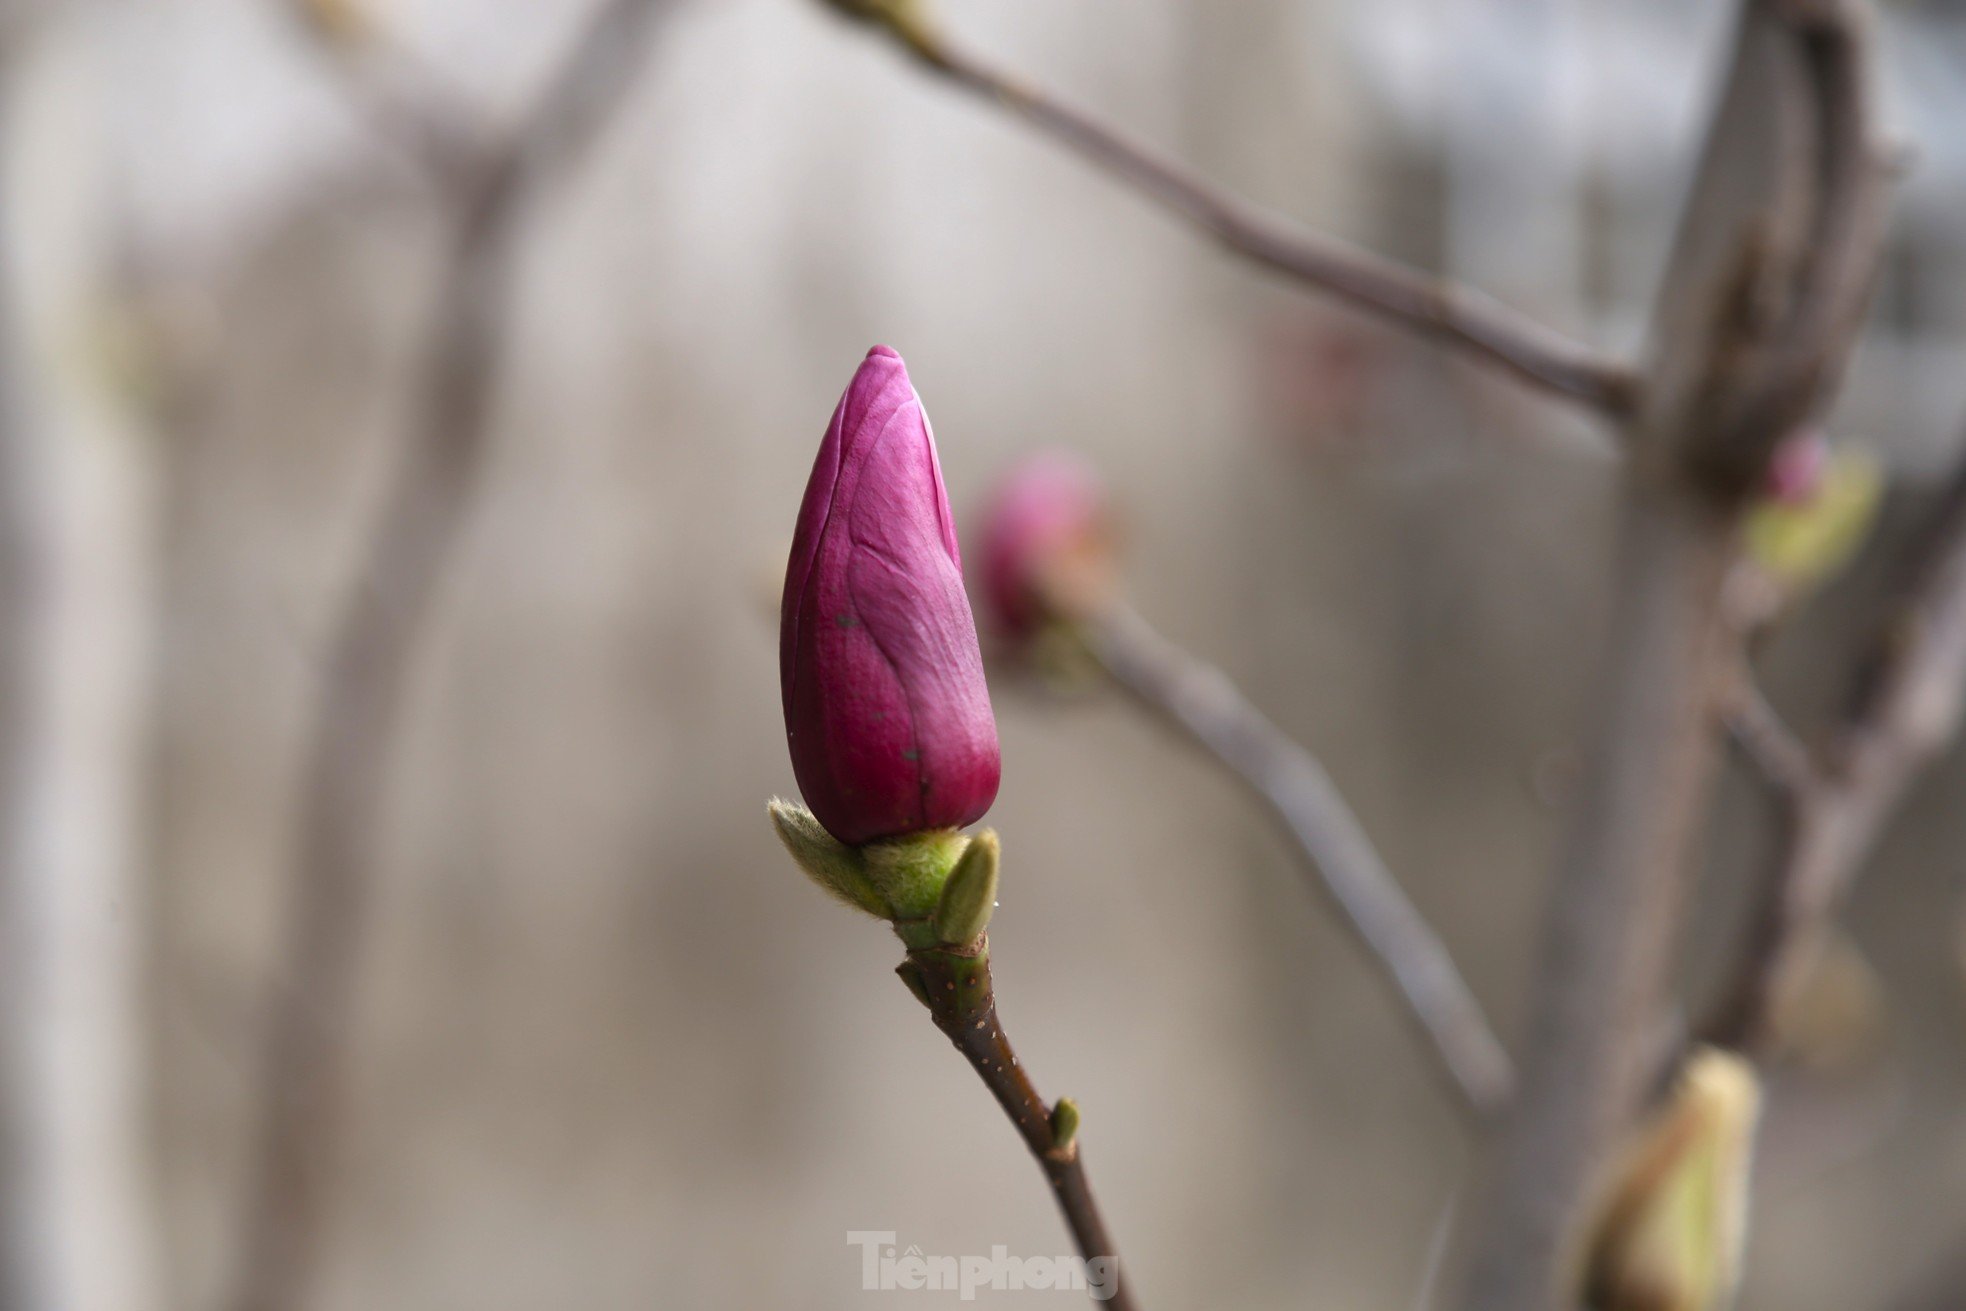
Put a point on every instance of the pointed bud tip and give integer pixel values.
(1723, 1086)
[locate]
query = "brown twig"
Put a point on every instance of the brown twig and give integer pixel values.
(1457, 316)
(954, 983)
(373, 647)
(1204, 705)
(1903, 713)
(1762, 296)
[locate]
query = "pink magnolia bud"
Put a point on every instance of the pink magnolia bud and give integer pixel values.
(1047, 543)
(886, 711)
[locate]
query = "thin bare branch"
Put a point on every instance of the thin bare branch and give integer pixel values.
(1905, 710)
(1778, 755)
(1204, 705)
(1457, 316)
(956, 987)
(374, 645)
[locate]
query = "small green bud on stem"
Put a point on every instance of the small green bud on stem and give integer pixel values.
(1064, 1128)
(970, 895)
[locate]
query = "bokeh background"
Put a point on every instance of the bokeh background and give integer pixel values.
(611, 1051)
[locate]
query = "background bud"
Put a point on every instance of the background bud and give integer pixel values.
(1837, 1018)
(1668, 1234)
(1802, 536)
(886, 712)
(1797, 469)
(1047, 544)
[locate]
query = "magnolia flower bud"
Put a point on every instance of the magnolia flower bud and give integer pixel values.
(886, 711)
(1047, 544)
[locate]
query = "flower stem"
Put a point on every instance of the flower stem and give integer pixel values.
(954, 983)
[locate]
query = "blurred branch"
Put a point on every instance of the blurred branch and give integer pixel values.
(1777, 754)
(1203, 704)
(23, 569)
(403, 102)
(78, 556)
(1904, 711)
(375, 641)
(1459, 317)
(1763, 294)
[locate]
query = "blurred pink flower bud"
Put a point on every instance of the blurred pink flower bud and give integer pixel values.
(1797, 469)
(886, 711)
(1047, 543)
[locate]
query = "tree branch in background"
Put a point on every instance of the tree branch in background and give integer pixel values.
(1904, 711)
(1206, 707)
(1778, 756)
(403, 103)
(1458, 317)
(1763, 293)
(375, 640)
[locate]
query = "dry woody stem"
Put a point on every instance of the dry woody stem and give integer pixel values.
(954, 983)
(1458, 317)
(375, 640)
(1200, 702)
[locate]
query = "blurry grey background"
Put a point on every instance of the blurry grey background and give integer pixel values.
(614, 1052)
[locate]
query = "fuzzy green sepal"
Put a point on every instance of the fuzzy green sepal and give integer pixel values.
(837, 868)
(911, 870)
